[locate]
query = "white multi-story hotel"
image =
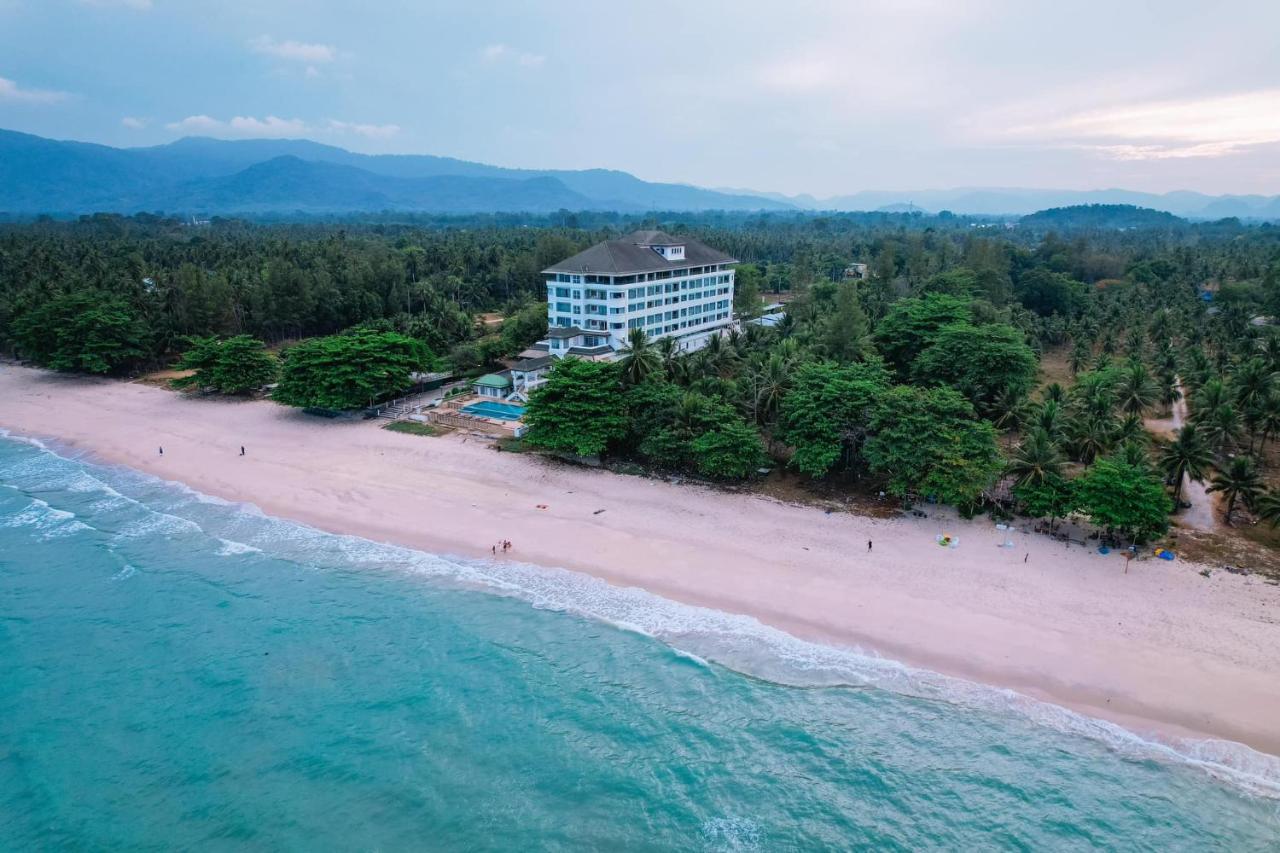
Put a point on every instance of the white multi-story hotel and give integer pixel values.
(670, 287)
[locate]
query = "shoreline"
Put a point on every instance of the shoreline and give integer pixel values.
(1159, 651)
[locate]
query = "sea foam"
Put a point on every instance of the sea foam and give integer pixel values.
(736, 642)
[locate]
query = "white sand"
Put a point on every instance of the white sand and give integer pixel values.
(1160, 649)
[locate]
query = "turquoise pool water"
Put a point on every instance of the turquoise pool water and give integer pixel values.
(494, 409)
(178, 672)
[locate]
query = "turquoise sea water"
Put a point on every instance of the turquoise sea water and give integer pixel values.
(178, 672)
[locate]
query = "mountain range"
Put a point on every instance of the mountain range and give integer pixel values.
(281, 176)
(200, 175)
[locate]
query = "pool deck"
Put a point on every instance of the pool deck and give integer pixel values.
(451, 414)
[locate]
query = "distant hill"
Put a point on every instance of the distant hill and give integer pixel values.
(200, 175)
(196, 175)
(901, 207)
(1100, 216)
(1014, 201)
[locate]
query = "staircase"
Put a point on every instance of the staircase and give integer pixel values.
(396, 410)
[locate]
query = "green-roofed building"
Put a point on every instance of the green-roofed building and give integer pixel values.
(493, 385)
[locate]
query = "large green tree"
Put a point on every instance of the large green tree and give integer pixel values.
(349, 371)
(1051, 497)
(928, 441)
(824, 415)
(235, 365)
(579, 409)
(980, 362)
(83, 331)
(1125, 498)
(913, 324)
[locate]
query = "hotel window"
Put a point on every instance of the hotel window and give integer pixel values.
(562, 307)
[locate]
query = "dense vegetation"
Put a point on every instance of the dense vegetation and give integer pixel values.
(975, 365)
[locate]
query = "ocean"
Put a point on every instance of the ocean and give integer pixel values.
(180, 672)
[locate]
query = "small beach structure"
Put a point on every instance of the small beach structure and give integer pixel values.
(494, 386)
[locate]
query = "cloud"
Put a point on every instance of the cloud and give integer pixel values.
(1213, 126)
(134, 123)
(11, 91)
(295, 51)
(273, 127)
(500, 53)
(242, 126)
(128, 4)
(369, 131)
(800, 75)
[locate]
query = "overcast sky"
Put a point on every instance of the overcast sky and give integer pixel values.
(794, 96)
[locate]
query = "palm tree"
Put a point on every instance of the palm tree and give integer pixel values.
(1137, 392)
(1253, 382)
(1091, 436)
(1211, 395)
(770, 381)
(1079, 356)
(1130, 428)
(1239, 481)
(1221, 427)
(669, 355)
(1186, 457)
(639, 358)
(1008, 409)
(1134, 453)
(1269, 422)
(1270, 349)
(715, 357)
(1054, 392)
(1036, 460)
(1048, 417)
(1268, 508)
(1169, 393)
(1198, 369)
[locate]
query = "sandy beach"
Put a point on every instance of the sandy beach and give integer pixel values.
(1161, 649)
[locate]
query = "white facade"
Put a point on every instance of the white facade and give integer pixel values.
(685, 303)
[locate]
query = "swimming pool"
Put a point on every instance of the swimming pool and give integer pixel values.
(492, 409)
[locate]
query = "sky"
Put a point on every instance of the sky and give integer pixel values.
(792, 97)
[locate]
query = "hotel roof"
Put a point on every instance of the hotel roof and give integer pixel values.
(632, 254)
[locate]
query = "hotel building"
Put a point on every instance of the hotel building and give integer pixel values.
(672, 287)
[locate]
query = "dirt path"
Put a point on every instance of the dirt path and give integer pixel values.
(1200, 515)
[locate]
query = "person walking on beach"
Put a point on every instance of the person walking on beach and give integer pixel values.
(494, 549)
(162, 451)
(868, 546)
(242, 450)
(1027, 557)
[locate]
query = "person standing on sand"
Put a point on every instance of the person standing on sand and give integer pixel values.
(868, 546)
(242, 450)
(162, 451)
(1027, 557)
